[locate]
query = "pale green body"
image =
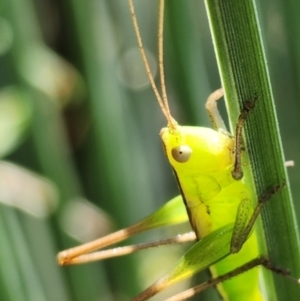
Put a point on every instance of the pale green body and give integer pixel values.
(212, 198)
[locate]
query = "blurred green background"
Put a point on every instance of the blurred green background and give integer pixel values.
(79, 132)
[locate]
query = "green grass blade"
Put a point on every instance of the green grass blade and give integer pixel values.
(244, 73)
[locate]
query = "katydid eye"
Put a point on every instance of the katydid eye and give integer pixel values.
(181, 153)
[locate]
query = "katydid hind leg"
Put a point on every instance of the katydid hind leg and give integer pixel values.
(237, 271)
(221, 237)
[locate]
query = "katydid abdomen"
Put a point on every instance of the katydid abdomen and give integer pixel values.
(203, 160)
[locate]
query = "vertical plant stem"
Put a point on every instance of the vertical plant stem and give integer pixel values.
(244, 74)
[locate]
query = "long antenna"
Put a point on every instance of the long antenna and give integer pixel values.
(161, 53)
(162, 101)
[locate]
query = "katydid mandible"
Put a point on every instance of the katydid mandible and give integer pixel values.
(221, 209)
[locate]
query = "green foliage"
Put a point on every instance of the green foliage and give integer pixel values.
(83, 117)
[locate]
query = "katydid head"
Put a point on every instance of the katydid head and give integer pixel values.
(195, 149)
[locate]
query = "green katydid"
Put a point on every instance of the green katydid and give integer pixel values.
(214, 198)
